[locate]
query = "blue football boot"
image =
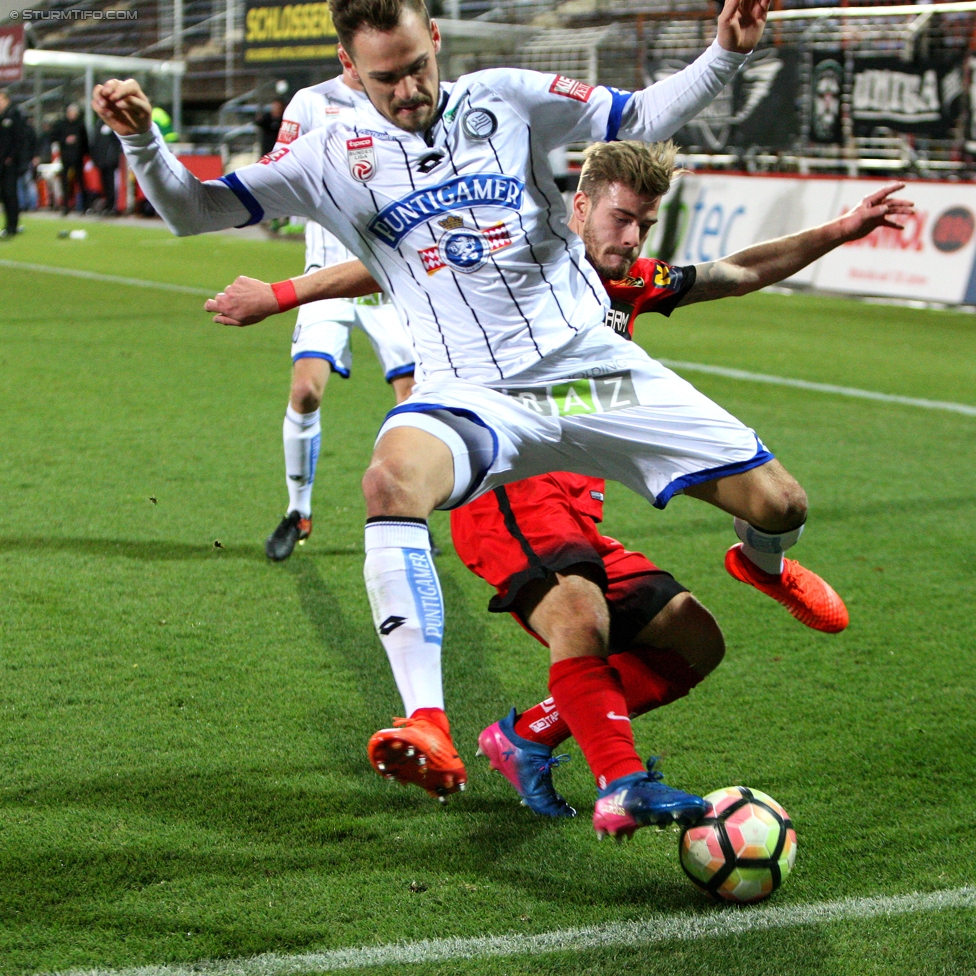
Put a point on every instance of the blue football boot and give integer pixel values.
(526, 765)
(640, 800)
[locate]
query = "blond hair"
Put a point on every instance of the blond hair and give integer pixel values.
(645, 168)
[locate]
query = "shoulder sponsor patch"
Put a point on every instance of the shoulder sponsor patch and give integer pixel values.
(274, 156)
(288, 132)
(392, 224)
(362, 160)
(571, 88)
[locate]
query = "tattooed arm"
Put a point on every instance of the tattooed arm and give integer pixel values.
(771, 261)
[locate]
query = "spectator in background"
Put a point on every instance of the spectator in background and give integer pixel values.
(268, 124)
(13, 160)
(105, 151)
(26, 188)
(72, 137)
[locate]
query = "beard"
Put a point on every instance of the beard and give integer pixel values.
(598, 257)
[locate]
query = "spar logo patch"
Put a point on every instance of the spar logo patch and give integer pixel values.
(571, 88)
(274, 156)
(362, 161)
(392, 224)
(464, 249)
(288, 132)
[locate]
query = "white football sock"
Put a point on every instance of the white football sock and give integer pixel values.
(765, 549)
(302, 434)
(408, 609)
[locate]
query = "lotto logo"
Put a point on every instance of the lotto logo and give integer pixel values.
(288, 132)
(274, 156)
(571, 88)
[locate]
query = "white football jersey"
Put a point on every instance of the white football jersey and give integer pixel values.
(309, 109)
(466, 232)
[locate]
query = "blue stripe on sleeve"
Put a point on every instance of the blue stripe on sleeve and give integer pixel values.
(620, 100)
(246, 197)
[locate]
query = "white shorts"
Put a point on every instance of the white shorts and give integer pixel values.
(324, 332)
(600, 406)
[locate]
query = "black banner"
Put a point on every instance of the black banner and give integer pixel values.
(924, 97)
(277, 34)
(759, 107)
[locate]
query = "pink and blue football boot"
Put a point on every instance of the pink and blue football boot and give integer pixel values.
(526, 765)
(641, 800)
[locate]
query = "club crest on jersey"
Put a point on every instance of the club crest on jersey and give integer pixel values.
(362, 161)
(479, 123)
(288, 132)
(571, 88)
(392, 224)
(274, 156)
(464, 249)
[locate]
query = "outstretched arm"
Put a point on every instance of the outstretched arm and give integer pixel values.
(248, 300)
(771, 261)
(185, 204)
(657, 112)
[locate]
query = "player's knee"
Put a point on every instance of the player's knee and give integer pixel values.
(577, 616)
(693, 632)
(306, 395)
(782, 507)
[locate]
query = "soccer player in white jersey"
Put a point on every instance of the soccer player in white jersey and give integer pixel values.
(321, 342)
(445, 193)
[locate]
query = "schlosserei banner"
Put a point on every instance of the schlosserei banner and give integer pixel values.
(281, 34)
(932, 258)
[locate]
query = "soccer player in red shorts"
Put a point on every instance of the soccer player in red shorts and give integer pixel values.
(624, 636)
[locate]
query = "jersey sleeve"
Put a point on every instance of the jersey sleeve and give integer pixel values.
(657, 112)
(664, 286)
(559, 110)
(287, 182)
(295, 122)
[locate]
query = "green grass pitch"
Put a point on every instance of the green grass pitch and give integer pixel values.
(182, 728)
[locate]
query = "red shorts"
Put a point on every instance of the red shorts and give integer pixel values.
(534, 528)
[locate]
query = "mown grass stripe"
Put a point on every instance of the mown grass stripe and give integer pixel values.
(111, 279)
(661, 928)
(848, 391)
(737, 374)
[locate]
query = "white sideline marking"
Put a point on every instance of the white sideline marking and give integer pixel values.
(658, 928)
(112, 279)
(849, 391)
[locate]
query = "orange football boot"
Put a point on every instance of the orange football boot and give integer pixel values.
(417, 750)
(809, 598)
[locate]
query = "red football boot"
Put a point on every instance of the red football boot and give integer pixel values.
(417, 750)
(809, 598)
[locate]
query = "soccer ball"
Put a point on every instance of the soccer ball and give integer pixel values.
(744, 847)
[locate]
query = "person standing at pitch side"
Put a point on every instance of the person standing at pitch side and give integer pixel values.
(445, 193)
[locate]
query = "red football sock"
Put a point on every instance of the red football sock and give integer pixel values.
(436, 715)
(652, 677)
(589, 696)
(543, 723)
